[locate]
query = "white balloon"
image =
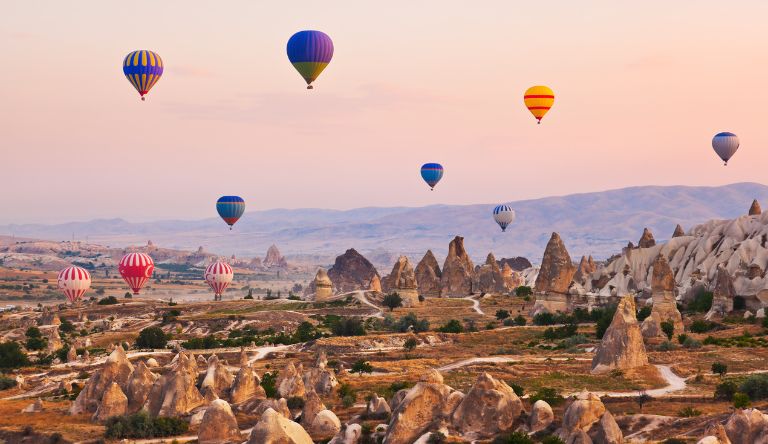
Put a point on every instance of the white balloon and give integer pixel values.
(725, 145)
(503, 215)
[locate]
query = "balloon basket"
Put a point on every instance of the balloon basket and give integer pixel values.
(310, 87)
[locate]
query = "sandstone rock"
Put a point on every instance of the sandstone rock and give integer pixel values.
(646, 240)
(139, 386)
(246, 386)
(351, 272)
(54, 339)
(585, 410)
(321, 379)
(723, 294)
(490, 278)
(375, 285)
(217, 378)
(273, 428)
(760, 313)
(321, 287)
(747, 426)
(325, 425)
(403, 281)
(586, 267)
(274, 259)
(556, 271)
(512, 278)
(349, 434)
(243, 359)
(117, 369)
(35, 407)
(278, 405)
(428, 275)
(71, 354)
(113, 403)
(754, 209)
(622, 344)
(290, 382)
(397, 398)
(312, 406)
(606, 431)
(541, 416)
(664, 303)
(458, 271)
(578, 437)
(377, 408)
(717, 435)
(175, 393)
(515, 263)
(219, 425)
(678, 231)
(489, 408)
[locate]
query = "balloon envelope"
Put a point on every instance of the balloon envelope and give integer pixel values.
(230, 208)
(503, 215)
(74, 282)
(432, 173)
(310, 52)
(725, 145)
(136, 269)
(538, 100)
(218, 275)
(143, 69)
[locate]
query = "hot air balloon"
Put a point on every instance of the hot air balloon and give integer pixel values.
(432, 173)
(218, 275)
(74, 282)
(503, 215)
(143, 69)
(310, 52)
(538, 100)
(725, 145)
(136, 269)
(230, 208)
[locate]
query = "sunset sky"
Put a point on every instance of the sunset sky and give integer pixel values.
(641, 88)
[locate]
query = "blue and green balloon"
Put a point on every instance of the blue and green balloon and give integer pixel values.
(310, 52)
(230, 208)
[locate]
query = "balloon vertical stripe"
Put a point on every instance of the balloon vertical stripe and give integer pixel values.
(143, 68)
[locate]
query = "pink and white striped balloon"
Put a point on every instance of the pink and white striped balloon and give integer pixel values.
(74, 282)
(219, 275)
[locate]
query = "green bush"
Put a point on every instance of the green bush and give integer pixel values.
(34, 343)
(719, 368)
(392, 301)
(549, 395)
(502, 314)
(513, 438)
(6, 383)
(688, 412)
(552, 439)
(702, 302)
(268, 383)
(566, 331)
(755, 386)
(152, 337)
(702, 326)
(523, 290)
(674, 441)
(681, 338)
(740, 400)
(517, 388)
(407, 322)
(604, 321)
(141, 425)
(410, 344)
(109, 300)
(66, 326)
(361, 366)
(452, 326)
(725, 390)
(643, 313)
(667, 346)
(520, 320)
(691, 343)
(668, 328)
(296, 403)
(348, 327)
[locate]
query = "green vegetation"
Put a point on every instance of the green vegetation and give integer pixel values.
(702, 302)
(296, 403)
(513, 438)
(170, 316)
(502, 314)
(66, 327)
(361, 366)
(702, 326)
(405, 323)
(152, 337)
(351, 326)
(517, 388)
(668, 328)
(740, 400)
(410, 344)
(552, 439)
(566, 331)
(688, 412)
(523, 290)
(549, 395)
(719, 368)
(141, 425)
(743, 340)
(691, 343)
(755, 386)
(643, 313)
(392, 301)
(109, 300)
(35, 339)
(268, 383)
(452, 326)
(6, 382)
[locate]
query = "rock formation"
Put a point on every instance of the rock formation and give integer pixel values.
(139, 386)
(556, 271)
(664, 302)
(217, 378)
(273, 428)
(586, 267)
(428, 275)
(35, 407)
(646, 240)
(113, 403)
(321, 287)
(375, 285)
(678, 231)
(116, 369)
(754, 209)
(541, 416)
(512, 279)
(458, 271)
(723, 294)
(747, 426)
(489, 277)
(403, 281)
(273, 259)
(312, 406)
(290, 382)
(349, 434)
(278, 405)
(489, 408)
(219, 425)
(586, 420)
(622, 344)
(351, 272)
(324, 426)
(377, 408)
(72, 354)
(320, 378)
(516, 263)
(246, 386)
(175, 393)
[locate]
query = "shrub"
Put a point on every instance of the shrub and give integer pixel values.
(452, 326)
(517, 388)
(719, 368)
(566, 331)
(643, 313)
(295, 403)
(725, 390)
(549, 395)
(66, 326)
(36, 343)
(128, 295)
(523, 290)
(668, 328)
(348, 401)
(513, 438)
(702, 302)
(409, 322)
(667, 346)
(361, 366)
(688, 412)
(306, 332)
(674, 441)
(691, 343)
(410, 344)
(681, 338)
(6, 383)
(392, 301)
(604, 321)
(740, 400)
(552, 439)
(502, 314)
(109, 300)
(520, 320)
(268, 383)
(573, 341)
(755, 386)
(152, 337)
(702, 326)
(248, 296)
(348, 327)
(436, 438)
(141, 425)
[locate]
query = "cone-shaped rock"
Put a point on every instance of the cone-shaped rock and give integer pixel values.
(219, 425)
(458, 271)
(428, 275)
(489, 277)
(116, 369)
(664, 302)
(403, 281)
(646, 240)
(113, 403)
(139, 386)
(754, 209)
(678, 231)
(274, 428)
(321, 287)
(489, 408)
(557, 270)
(723, 294)
(622, 345)
(351, 272)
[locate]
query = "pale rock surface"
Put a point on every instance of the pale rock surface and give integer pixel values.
(490, 278)
(606, 431)
(489, 408)
(290, 381)
(402, 280)
(723, 294)
(320, 378)
(664, 303)
(541, 416)
(246, 386)
(117, 369)
(458, 271)
(139, 386)
(312, 406)
(72, 354)
(754, 209)
(175, 393)
(428, 275)
(152, 363)
(273, 428)
(351, 272)
(217, 378)
(585, 269)
(219, 425)
(349, 434)
(512, 279)
(113, 403)
(678, 231)
(325, 425)
(321, 287)
(646, 240)
(274, 259)
(585, 410)
(556, 271)
(35, 407)
(278, 405)
(375, 285)
(622, 345)
(747, 426)
(377, 407)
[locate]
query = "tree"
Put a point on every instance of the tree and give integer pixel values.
(392, 301)
(360, 366)
(152, 337)
(35, 339)
(502, 314)
(719, 368)
(452, 326)
(523, 290)
(410, 344)
(740, 400)
(11, 355)
(348, 327)
(642, 398)
(520, 320)
(668, 328)
(269, 384)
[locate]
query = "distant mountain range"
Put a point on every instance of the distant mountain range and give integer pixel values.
(598, 223)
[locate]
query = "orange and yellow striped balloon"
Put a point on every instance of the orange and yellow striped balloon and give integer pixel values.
(538, 100)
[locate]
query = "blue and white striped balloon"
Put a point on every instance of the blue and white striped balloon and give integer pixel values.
(503, 215)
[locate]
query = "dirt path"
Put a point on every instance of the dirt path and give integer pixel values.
(475, 305)
(360, 296)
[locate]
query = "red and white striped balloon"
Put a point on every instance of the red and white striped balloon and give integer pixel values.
(74, 282)
(219, 275)
(136, 269)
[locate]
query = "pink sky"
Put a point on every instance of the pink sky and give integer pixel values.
(641, 88)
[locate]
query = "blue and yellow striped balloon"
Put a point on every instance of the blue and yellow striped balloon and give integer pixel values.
(230, 208)
(310, 52)
(143, 69)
